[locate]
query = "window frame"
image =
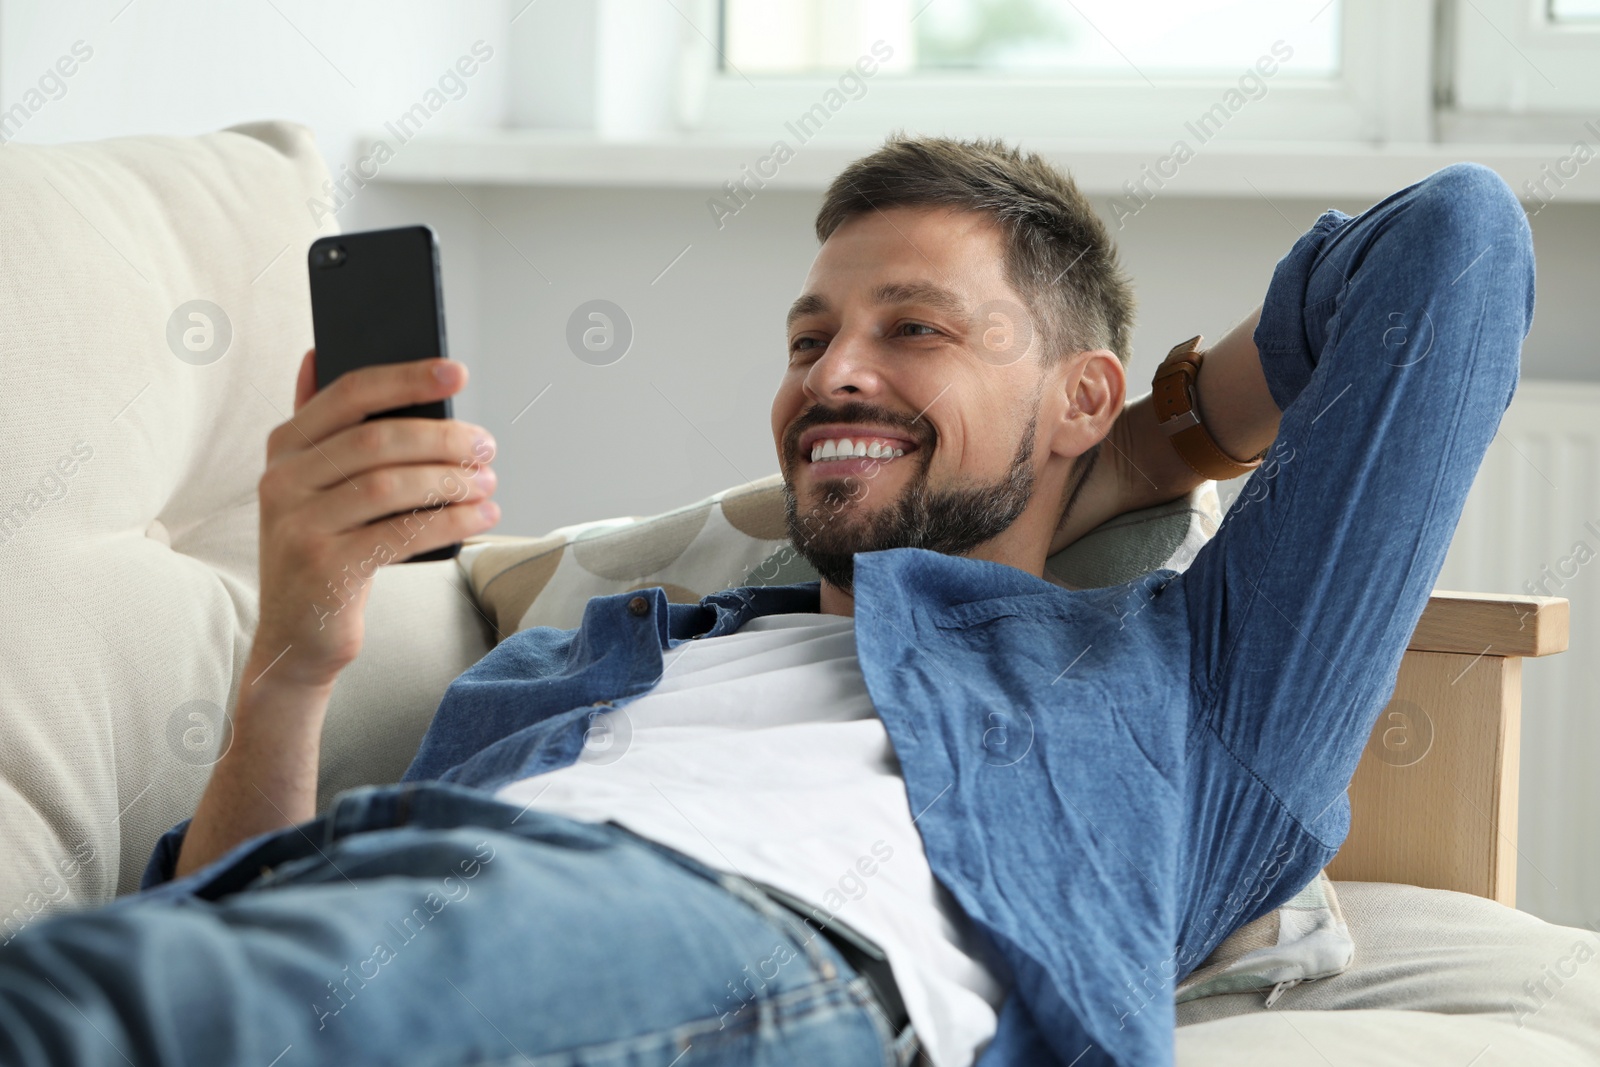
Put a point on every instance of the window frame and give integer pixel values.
(1510, 58)
(1381, 93)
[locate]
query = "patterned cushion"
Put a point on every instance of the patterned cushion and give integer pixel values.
(736, 538)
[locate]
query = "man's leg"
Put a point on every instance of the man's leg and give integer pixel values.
(1391, 343)
(540, 940)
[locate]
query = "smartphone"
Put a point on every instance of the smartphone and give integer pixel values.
(376, 298)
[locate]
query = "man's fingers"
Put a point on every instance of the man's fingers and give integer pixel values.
(354, 395)
(408, 490)
(380, 443)
(415, 532)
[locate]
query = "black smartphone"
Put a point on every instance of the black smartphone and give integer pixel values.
(376, 298)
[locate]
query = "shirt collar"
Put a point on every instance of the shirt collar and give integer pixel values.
(724, 612)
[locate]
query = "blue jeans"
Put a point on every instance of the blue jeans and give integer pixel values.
(432, 924)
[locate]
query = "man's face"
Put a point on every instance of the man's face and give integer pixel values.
(907, 342)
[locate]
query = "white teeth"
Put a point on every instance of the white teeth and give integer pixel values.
(845, 448)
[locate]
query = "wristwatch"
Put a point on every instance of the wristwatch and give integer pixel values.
(1178, 415)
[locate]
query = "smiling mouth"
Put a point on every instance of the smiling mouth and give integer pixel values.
(845, 449)
(853, 453)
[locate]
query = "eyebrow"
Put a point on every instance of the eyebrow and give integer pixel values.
(808, 304)
(935, 296)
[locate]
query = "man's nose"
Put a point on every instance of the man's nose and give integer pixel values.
(850, 366)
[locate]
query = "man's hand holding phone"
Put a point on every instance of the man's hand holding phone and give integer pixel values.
(342, 495)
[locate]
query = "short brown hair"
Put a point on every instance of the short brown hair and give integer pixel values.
(1058, 254)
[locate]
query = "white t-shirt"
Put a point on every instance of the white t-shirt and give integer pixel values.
(760, 753)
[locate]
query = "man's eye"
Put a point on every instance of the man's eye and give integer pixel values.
(918, 326)
(802, 344)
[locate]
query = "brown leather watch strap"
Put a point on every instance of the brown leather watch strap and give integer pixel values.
(1178, 415)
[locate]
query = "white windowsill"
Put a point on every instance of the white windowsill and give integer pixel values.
(1218, 169)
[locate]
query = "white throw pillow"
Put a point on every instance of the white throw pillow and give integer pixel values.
(153, 312)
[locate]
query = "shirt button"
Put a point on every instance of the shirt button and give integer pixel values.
(639, 606)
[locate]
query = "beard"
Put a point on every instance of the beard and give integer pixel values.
(952, 521)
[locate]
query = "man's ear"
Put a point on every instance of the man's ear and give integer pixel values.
(1093, 387)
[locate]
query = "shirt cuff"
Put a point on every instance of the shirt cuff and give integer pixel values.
(1280, 336)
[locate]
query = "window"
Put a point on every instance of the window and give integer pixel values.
(1161, 38)
(1527, 56)
(1574, 10)
(1079, 69)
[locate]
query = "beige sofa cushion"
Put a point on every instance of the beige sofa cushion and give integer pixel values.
(1371, 1037)
(422, 630)
(1438, 978)
(134, 438)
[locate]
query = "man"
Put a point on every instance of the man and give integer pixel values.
(1039, 807)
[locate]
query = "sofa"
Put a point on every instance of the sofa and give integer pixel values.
(153, 310)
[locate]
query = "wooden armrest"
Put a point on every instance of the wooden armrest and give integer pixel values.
(1434, 800)
(1497, 624)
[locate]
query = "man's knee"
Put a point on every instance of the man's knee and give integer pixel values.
(1471, 208)
(1466, 225)
(1468, 198)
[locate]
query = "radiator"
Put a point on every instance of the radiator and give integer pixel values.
(1532, 525)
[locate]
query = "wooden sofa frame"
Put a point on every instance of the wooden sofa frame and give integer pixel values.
(1434, 799)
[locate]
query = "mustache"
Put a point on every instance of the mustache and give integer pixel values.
(918, 429)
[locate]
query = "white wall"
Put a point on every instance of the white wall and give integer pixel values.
(185, 66)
